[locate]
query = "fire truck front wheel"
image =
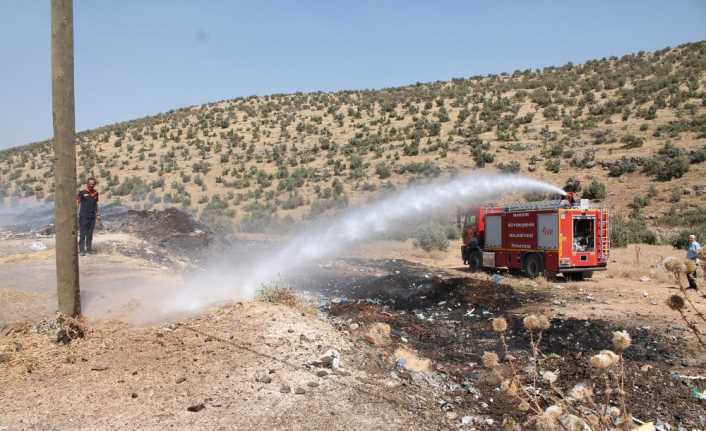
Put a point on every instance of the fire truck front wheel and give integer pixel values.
(532, 266)
(474, 261)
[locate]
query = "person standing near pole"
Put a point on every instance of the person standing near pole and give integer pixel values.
(692, 253)
(87, 214)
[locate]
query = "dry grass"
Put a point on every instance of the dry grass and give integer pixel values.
(637, 261)
(280, 293)
(35, 348)
(26, 257)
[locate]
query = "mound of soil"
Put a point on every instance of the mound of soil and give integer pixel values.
(171, 229)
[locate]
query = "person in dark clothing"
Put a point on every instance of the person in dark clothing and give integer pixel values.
(87, 214)
(692, 254)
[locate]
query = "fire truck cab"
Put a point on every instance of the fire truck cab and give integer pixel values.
(552, 237)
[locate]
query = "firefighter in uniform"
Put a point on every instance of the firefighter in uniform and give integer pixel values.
(87, 214)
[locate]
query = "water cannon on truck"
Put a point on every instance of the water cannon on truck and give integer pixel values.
(564, 236)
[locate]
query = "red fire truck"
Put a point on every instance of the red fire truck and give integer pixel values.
(552, 237)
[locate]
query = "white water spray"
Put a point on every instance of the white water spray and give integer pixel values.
(218, 285)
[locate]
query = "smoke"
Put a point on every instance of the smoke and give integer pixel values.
(26, 214)
(228, 280)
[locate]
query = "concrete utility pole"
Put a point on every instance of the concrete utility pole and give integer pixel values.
(62, 62)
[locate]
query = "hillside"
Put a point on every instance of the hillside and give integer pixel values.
(636, 124)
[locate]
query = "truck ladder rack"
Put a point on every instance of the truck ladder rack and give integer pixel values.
(539, 205)
(605, 236)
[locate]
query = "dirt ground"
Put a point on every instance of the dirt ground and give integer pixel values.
(108, 279)
(235, 363)
(253, 364)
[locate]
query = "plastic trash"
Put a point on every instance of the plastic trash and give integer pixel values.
(37, 246)
(699, 395)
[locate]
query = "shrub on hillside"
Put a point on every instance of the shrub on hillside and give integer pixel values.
(428, 168)
(260, 218)
(675, 195)
(556, 150)
(452, 232)
(511, 167)
(631, 141)
(553, 165)
(383, 170)
(692, 221)
(320, 206)
(697, 156)
(595, 191)
(133, 186)
(217, 216)
(482, 157)
(294, 200)
(632, 230)
(622, 166)
(584, 160)
(572, 185)
(431, 236)
(691, 216)
(639, 202)
(539, 196)
(669, 162)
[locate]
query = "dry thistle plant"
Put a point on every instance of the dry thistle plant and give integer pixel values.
(681, 303)
(677, 303)
(547, 405)
(499, 327)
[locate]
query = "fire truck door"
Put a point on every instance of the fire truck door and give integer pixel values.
(583, 240)
(470, 229)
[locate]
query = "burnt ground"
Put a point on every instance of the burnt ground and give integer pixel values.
(446, 318)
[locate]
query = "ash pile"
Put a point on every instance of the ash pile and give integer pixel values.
(171, 237)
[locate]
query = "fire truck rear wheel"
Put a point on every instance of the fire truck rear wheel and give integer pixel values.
(474, 261)
(533, 266)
